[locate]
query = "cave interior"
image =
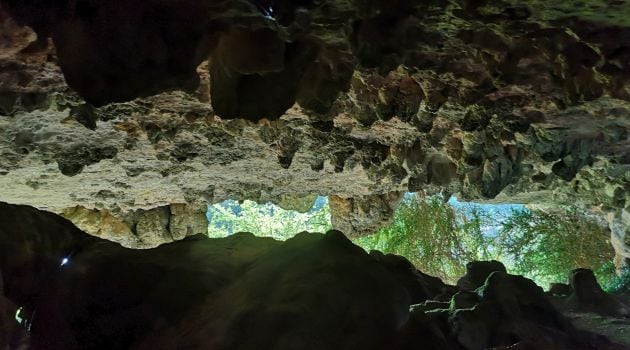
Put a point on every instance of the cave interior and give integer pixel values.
(123, 122)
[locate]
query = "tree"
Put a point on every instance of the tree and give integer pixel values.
(545, 245)
(265, 220)
(435, 237)
(440, 239)
(542, 245)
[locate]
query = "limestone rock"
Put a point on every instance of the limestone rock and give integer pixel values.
(301, 204)
(420, 286)
(33, 244)
(124, 53)
(365, 215)
(102, 223)
(619, 223)
(514, 312)
(522, 103)
(187, 220)
(559, 289)
(464, 300)
(152, 225)
(142, 228)
(257, 285)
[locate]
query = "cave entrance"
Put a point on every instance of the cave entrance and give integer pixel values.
(440, 237)
(267, 219)
(542, 243)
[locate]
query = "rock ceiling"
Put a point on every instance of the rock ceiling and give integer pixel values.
(130, 117)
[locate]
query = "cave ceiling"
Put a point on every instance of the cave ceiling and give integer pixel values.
(120, 114)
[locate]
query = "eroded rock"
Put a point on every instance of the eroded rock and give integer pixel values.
(499, 102)
(142, 228)
(619, 223)
(124, 53)
(365, 215)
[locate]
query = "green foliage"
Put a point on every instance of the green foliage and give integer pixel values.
(545, 245)
(606, 274)
(434, 236)
(620, 283)
(265, 220)
(439, 239)
(541, 245)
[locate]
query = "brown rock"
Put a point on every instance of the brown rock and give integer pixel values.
(363, 215)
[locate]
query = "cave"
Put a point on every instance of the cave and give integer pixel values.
(137, 137)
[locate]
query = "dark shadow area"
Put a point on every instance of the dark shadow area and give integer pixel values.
(313, 291)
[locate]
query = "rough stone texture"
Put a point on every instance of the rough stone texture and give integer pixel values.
(113, 51)
(363, 215)
(505, 101)
(142, 228)
(296, 202)
(512, 309)
(420, 286)
(619, 223)
(313, 291)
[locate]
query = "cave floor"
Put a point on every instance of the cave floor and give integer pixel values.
(615, 329)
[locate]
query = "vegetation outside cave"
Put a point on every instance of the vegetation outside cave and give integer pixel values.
(440, 237)
(267, 220)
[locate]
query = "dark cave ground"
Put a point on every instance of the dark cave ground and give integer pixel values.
(312, 291)
(616, 329)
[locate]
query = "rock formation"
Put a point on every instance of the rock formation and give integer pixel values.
(129, 117)
(313, 291)
(142, 228)
(619, 223)
(477, 272)
(499, 101)
(585, 295)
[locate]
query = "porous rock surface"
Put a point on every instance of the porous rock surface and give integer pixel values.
(313, 291)
(619, 223)
(511, 101)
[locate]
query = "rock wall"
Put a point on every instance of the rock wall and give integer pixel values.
(504, 101)
(363, 215)
(619, 223)
(142, 228)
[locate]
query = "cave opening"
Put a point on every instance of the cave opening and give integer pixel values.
(160, 163)
(267, 219)
(441, 236)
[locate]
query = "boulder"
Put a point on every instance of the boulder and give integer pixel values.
(240, 292)
(588, 296)
(477, 272)
(513, 312)
(559, 289)
(420, 286)
(424, 331)
(464, 300)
